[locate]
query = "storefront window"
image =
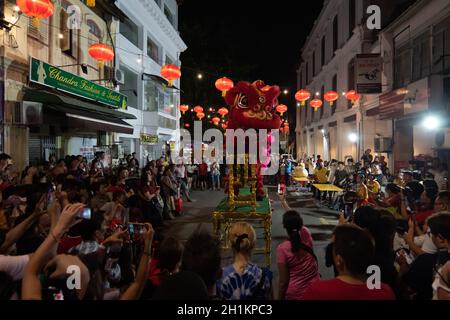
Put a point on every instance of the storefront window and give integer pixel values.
(131, 32)
(403, 66)
(153, 50)
(167, 123)
(159, 99)
(151, 96)
(130, 88)
(441, 46)
(421, 57)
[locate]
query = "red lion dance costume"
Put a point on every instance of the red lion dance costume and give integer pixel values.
(252, 106)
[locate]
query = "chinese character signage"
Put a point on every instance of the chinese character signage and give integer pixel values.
(149, 139)
(48, 75)
(368, 73)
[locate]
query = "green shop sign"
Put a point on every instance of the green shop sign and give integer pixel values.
(149, 139)
(50, 76)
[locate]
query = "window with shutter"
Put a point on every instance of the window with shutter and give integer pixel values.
(69, 36)
(65, 32)
(40, 33)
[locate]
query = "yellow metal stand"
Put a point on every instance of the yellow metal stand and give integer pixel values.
(244, 207)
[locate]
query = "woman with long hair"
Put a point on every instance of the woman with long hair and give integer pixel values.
(297, 263)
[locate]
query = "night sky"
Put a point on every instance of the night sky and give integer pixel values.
(242, 40)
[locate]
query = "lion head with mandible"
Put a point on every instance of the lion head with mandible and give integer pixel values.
(252, 106)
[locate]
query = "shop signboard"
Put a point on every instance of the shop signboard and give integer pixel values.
(149, 139)
(392, 104)
(54, 77)
(368, 73)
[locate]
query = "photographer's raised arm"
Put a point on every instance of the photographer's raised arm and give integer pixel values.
(134, 291)
(31, 285)
(17, 232)
(403, 211)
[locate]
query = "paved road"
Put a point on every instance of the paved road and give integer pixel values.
(321, 222)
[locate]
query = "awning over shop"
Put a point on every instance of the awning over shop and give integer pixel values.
(83, 115)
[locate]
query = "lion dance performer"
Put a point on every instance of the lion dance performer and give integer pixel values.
(252, 106)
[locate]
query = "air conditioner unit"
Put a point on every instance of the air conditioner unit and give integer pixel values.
(119, 76)
(115, 75)
(383, 145)
(29, 113)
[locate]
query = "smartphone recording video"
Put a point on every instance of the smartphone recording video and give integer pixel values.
(86, 214)
(136, 231)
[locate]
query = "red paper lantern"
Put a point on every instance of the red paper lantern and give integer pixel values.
(224, 126)
(198, 109)
(316, 104)
(216, 121)
(183, 108)
(223, 112)
(331, 96)
(282, 109)
(171, 73)
(302, 96)
(101, 52)
(353, 96)
(187, 125)
(224, 84)
(36, 9)
(200, 115)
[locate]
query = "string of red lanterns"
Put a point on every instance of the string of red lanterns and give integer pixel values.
(331, 96)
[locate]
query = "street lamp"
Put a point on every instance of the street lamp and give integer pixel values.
(353, 137)
(200, 76)
(286, 91)
(431, 123)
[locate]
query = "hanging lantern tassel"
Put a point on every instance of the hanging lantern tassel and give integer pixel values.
(35, 22)
(224, 93)
(101, 65)
(170, 83)
(90, 3)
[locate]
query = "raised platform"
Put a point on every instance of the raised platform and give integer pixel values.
(224, 216)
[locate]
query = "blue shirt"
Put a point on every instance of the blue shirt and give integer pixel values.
(234, 286)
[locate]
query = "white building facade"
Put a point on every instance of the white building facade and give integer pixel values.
(147, 41)
(412, 39)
